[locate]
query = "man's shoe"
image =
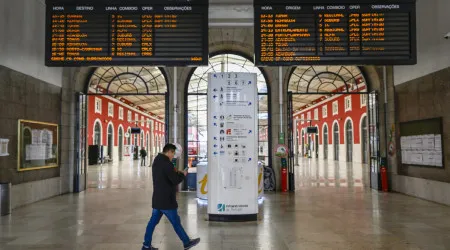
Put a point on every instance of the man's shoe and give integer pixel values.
(192, 243)
(149, 248)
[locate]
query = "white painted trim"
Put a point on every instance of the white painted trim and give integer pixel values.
(337, 107)
(361, 105)
(326, 108)
(120, 109)
(110, 104)
(97, 111)
(101, 132)
(349, 109)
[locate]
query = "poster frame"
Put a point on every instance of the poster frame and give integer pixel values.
(19, 145)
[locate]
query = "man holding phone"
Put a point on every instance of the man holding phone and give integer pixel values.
(165, 181)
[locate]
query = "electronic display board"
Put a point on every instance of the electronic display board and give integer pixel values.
(119, 32)
(296, 32)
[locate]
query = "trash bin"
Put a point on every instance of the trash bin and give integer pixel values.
(192, 179)
(5, 198)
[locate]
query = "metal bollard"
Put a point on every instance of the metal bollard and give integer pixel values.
(5, 199)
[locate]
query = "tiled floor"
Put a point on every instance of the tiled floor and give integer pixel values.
(331, 209)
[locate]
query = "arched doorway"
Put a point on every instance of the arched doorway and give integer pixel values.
(196, 105)
(325, 142)
(349, 140)
(316, 143)
(120, 143)
(110, 141)
(97, 134)
(364, 141)
(129, 137)
(336, 141)
(148, 144)
(125, 96)
(303, 143)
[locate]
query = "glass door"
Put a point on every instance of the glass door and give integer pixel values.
(374, 141)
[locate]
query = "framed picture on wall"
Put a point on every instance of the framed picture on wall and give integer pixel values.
(38, 145)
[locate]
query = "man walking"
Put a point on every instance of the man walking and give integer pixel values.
(165, 181)
(143, 154)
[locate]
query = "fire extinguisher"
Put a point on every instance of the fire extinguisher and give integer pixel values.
(384, 176)
(284, 175)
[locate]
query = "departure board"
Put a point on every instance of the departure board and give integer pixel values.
(137, 32)
(297, 32)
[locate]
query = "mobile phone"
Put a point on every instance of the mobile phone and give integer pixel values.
(186, 169)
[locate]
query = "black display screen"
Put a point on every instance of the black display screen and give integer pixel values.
(150, 32)
(289, 33)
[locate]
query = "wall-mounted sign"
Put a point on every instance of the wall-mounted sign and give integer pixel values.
(281, 151)
(4, 147)
(311, 32)
(138, 32)
(311, 130)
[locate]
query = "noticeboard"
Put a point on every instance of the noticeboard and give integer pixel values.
(421, 143)
(37, 145)
(119, 32)
(290, 32)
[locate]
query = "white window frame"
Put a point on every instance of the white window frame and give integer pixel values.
(302, 118)
(308, 116)
(136, 118)
(110, 109)
(148, 123)
(142, 121)
(129, 116)
(348, 103)
(98, 105)
(120, 113)
(335, 110)
(316, 114)
(363, 100)
(324, 111)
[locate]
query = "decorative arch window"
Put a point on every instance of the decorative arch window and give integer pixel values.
(317, 83)
(97, 133)
(142, 88)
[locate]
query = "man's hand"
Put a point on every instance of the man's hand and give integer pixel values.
(185, 172)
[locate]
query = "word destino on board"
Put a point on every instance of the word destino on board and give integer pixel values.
(290, 32)
(150, 32)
